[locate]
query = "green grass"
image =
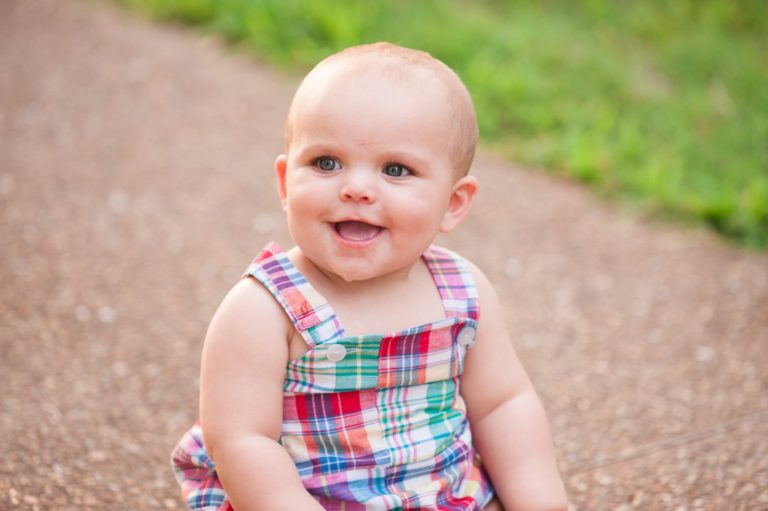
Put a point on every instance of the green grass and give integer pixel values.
(661, 104)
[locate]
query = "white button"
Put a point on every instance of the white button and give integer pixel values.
(336, 352)
(467, 336)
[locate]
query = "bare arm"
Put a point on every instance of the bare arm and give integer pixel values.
(509, 426)
(241, 402)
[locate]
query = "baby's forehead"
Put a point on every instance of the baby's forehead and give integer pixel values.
(371, 99)
(415, 72)
(366, 83)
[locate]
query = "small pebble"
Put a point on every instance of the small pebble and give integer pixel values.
(120, 369)
(107, 314)
(58, 474)
(604, 479)
(82, 313)
(705, 354)
(98, 456)
(14, 496)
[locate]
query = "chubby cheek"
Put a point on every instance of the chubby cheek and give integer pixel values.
(306, 201)
(418, 215)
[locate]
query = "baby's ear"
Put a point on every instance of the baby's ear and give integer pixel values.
(463, 193)
(281, 166)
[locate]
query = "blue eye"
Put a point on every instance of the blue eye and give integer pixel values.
(396, 170)
(327, 164)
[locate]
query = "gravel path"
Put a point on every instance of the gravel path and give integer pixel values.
(136, 184)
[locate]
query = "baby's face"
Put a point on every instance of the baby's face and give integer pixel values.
(368, 177)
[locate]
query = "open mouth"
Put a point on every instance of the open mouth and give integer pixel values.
(353, 230)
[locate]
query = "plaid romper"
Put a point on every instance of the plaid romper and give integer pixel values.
(371, 421)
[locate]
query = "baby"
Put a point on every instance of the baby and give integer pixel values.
(365, 368)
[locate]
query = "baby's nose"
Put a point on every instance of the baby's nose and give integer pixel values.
(358, 186)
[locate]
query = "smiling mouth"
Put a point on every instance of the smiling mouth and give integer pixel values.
(353, 230)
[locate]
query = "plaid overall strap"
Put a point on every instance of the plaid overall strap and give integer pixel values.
(454, 282)
(309, 312)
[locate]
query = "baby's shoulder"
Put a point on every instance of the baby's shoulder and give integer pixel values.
(250, 295)
(248, 310)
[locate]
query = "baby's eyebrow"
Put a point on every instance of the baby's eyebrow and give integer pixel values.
(409, 159)
(310, 155)
(318, 150)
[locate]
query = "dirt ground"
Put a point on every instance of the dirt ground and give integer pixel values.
(136, 185)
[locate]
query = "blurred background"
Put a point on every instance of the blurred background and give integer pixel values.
(621, 218)
(662, 105)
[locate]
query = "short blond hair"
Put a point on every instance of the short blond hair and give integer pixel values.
(398, 59)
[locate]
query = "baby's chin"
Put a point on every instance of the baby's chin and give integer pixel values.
(351, 270)
(355, 273)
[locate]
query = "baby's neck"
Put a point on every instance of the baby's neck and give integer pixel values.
(330, 284)
(395, 301)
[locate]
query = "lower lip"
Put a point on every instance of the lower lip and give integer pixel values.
(354, 244)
